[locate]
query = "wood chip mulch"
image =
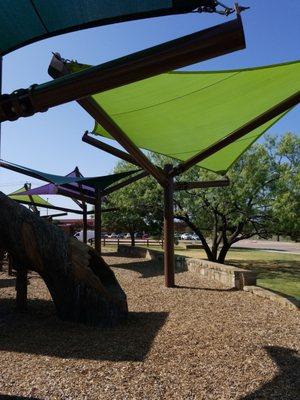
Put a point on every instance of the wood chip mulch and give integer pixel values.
(198, 341)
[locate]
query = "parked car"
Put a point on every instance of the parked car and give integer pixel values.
(113, 236)
(195, 237)
(127, 236)
(186, 236)
(90, 234)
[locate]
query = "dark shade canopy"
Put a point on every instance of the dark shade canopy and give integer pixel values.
(71, 189)
(24, 21)
(75, 183)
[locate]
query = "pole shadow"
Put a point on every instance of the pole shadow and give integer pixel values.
(13, 397)
(286, 384)
(146, 268)
(39, 331)
(5, 283)
(205, 289)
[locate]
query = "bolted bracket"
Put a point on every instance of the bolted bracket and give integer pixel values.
(18, 104)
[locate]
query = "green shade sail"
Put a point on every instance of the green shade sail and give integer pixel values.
(179, 114)
(37, 200)
(26, 21)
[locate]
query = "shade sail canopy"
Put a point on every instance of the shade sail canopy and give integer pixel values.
(180, 114)
(23, 21)
(71, 189)
(71, 182)
(32, 199)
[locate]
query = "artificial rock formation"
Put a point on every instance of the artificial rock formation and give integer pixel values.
(82, 286)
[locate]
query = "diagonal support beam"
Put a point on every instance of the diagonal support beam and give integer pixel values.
(100, 115)
(120, 185)
(108, 149)
(273, 112)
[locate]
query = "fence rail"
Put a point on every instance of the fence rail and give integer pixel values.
(146, 242)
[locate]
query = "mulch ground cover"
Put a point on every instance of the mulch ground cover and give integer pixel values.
(200, 340)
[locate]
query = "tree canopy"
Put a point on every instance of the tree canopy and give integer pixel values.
(263, 199)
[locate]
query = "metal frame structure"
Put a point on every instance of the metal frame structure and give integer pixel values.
(166, 176)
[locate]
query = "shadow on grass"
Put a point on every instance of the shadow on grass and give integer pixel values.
(269, 268)
(39, 331)
(286, 384)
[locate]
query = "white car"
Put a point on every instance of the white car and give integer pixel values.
(89, 234)
(186, 236)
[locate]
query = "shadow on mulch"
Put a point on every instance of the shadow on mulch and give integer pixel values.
(147, 268)
(4, 283)
(39, 331)
(9, 397)
(205, 289)
(286, 384)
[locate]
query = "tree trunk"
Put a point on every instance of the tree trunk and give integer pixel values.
(223, 253)
(132, 239)
(82, 286)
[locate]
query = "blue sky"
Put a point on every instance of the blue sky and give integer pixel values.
(52, 141)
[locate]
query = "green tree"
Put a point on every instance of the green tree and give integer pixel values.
(139, 206)
(286, 203)
(262, 199)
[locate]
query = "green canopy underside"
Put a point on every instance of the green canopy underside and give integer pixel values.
(179, 114)
(26, 21)
(37, 200)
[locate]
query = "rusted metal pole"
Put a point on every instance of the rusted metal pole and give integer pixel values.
(101, 116)
(21, 289)
(108, 149)
(10, 265)
(98, 221)
(128, 181)
(84, 220)
(169, 262)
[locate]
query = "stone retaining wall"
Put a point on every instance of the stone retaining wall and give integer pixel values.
(286, 301)
(154, 255)
(238, 278)
(227, 274)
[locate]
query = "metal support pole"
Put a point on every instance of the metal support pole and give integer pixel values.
(1, 72)
(21, 289)
(84, 220)
(98, 221)
(169, 262)
(10, 265)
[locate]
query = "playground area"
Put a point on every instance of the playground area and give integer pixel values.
(200, 340)
(169, 129)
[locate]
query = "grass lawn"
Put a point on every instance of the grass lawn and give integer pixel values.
(276, 271)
